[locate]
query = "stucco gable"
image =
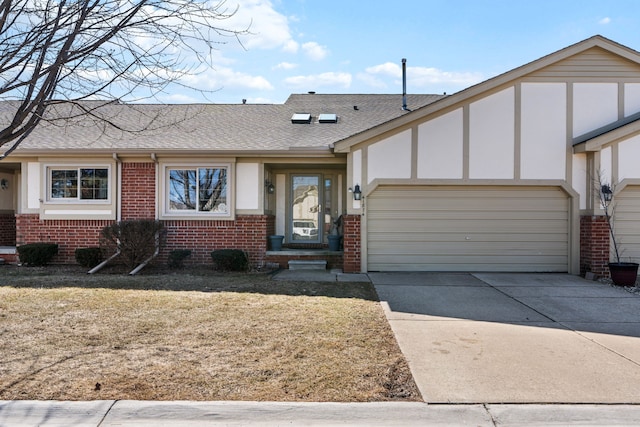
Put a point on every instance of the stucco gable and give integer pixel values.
(590, 53)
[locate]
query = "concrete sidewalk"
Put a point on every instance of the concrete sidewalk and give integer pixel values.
(272, 414)
(515, 338)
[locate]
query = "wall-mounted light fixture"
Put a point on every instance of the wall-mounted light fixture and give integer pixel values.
(270, 187)
(357, 193)
(607, 194)
(4, 183)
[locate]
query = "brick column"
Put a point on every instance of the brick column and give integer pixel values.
(138, 191)
(7, 230)
(594, 245)
(352, 252)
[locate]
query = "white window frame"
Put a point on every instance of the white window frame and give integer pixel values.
(77, 200)
(169, 213)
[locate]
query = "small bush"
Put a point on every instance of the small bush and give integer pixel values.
(137, 239)
(230, 260)
(88, 257)
(177, 256)
(37, 254)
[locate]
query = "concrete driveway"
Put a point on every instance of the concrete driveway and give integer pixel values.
(515, 338)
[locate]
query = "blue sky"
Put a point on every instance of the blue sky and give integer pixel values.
(356, 46)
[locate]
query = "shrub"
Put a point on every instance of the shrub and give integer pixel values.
(37, 254)
(177, 256)
(135, 238)
(88, 257)
(230, 260)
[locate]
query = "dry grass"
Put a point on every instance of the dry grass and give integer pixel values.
(194, 336)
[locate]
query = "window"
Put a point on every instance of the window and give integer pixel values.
(79, 183)
(202, 190)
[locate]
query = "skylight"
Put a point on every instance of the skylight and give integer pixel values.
(328, 118)
(301, 118)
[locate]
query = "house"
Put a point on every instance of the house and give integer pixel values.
(497, 177)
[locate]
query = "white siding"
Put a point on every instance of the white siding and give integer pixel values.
(631, 98)
(606, 167)
(391, 157)
(628, 156)
(594, 105)
(491, 137)
(440, 147)
(248, 186)
(33, 185)
(357, 176)
(580, 178)
(544, 134)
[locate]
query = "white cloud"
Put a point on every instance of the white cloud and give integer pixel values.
(227, 78)
(285, 66)
(329, 79)
(604, 21)
(386, 69)
(269, 29)
(315, 51)
(291, 46)
(417, 77)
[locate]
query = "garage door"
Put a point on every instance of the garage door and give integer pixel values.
(627, 223)
(459, 228)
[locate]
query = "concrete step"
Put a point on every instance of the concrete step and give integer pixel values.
(311, 264)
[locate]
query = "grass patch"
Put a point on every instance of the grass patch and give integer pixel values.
(194, 336)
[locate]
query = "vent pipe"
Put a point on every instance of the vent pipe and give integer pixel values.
(404, 85)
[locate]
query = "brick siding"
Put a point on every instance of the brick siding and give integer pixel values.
(138, 191)
(7, 230)
(351, 242)
(68, 234)
(594, 245)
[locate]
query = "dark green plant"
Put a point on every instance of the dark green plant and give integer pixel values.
(88, 257)
(230, 260)
(136, 239)
(177, 256)
(37, 254)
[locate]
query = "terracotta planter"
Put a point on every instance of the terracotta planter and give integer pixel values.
(624, 273)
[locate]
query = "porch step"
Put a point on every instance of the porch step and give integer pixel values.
(311, 264)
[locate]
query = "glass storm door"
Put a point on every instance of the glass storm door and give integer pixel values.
(306, 209)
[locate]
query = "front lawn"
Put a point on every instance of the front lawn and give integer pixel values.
(193, 335)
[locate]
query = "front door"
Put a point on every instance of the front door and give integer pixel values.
(306, 208)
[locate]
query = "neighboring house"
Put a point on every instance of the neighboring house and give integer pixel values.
(497, 177)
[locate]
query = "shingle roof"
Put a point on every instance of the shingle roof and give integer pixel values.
(219, 127)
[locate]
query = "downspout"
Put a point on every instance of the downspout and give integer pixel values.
(404, 85)
(148, 260)
(118, 189)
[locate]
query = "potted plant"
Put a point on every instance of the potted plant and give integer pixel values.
(622, 273)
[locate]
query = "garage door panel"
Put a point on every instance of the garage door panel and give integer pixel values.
(627, 223)
(467, 229)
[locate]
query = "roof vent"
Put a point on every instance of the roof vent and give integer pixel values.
(328, 118)
(301, 118)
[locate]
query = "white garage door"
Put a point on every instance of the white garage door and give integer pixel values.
(459, 228)
(627, 223)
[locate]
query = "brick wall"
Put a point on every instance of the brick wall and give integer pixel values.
(68, 234)
(138, 191)
(594, 245)
(351, 242)
(248, 232)
(7, 230)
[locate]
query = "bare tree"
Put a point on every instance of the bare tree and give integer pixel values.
(55, 55)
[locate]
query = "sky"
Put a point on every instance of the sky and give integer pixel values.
(356, 46)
